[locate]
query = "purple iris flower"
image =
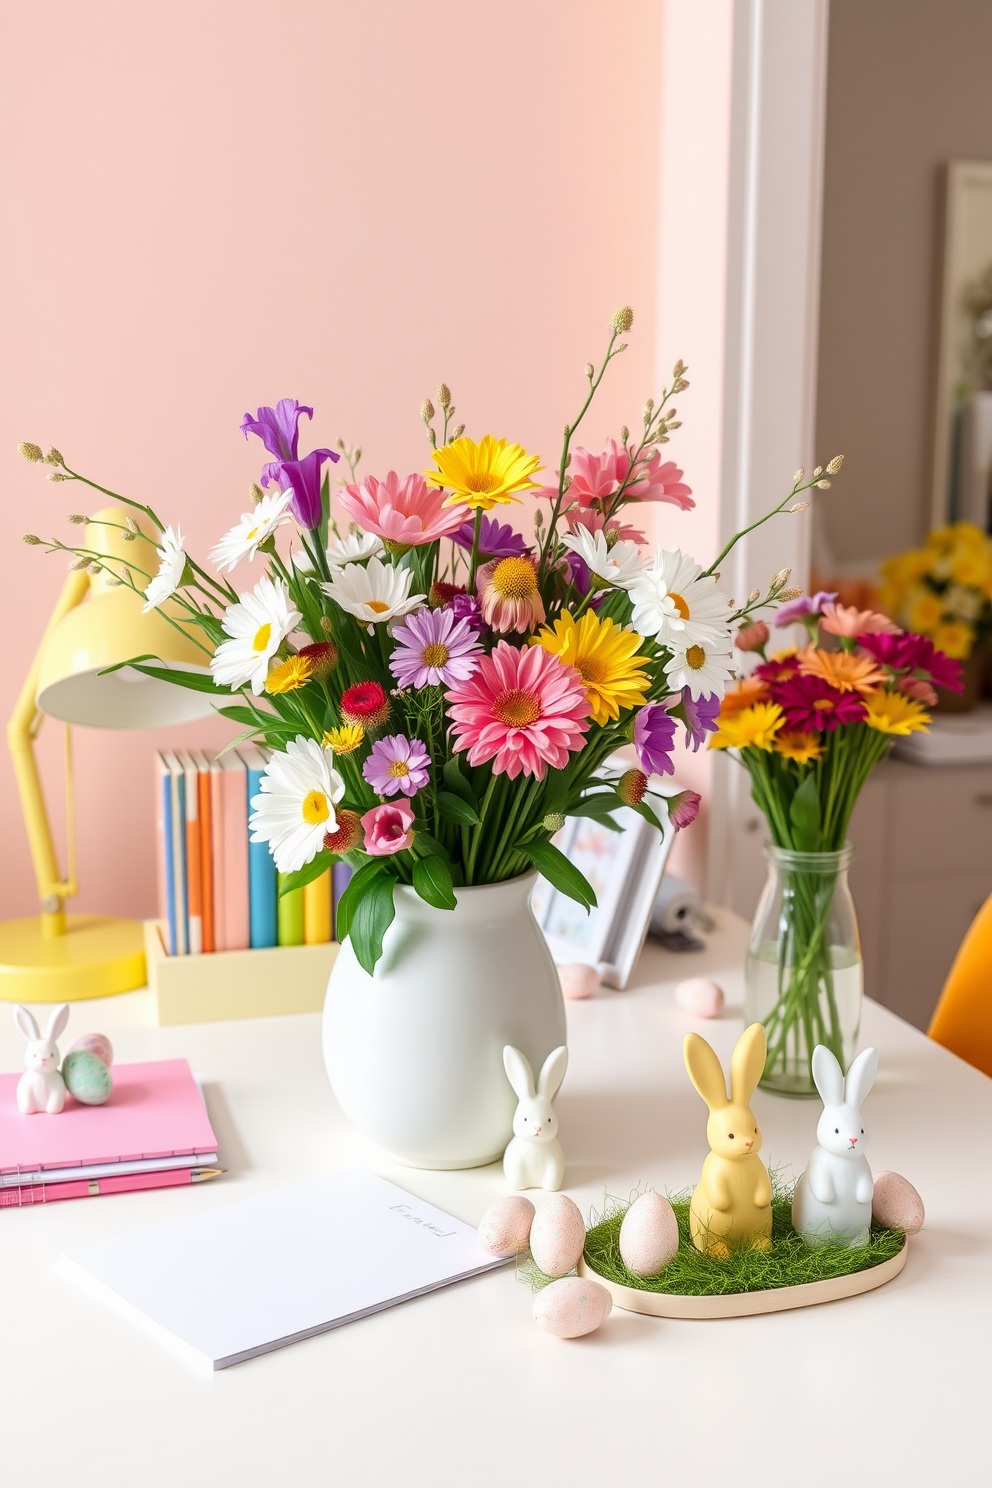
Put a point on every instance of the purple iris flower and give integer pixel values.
(496, 539)
(700, 716)
(278, 428)
(304, 477)
(803, 608)
(654, 739)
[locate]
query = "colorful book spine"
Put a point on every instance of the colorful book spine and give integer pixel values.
(317, 910)
(206, 849)
(194, 896)
(229, 803)
(177, 837)
(290, 916)
(163, 851)
(262, 891)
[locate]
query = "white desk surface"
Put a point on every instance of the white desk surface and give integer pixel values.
(461, 1387)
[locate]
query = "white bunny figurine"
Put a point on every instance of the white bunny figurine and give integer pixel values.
(534, 1158)
(832, 1203)
(41, 1087)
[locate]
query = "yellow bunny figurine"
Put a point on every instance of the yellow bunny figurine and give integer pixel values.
(732, 1202)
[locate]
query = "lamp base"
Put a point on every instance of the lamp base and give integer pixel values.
(98, 956)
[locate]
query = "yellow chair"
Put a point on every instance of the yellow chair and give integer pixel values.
(962, 1021)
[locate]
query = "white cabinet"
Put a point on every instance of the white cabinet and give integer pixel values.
(923, 835)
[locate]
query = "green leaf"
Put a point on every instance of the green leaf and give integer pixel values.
(426, 846)
(556, 795)
(432, 881)
(249, 715)
(454, 809)
(357, 885)
(194, 680)
(372, 917)
(599, 805)
(248, 733)
(643, 809)
(456, 782)
(804, 814)
(325, 506)
(314, 869)
(601, 820)
(560, 873)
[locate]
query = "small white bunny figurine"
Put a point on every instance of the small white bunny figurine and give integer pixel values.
(534, 1158)
(41, 1087)
(832, 1203)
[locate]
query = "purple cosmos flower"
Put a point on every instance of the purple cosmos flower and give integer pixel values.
(496, 539)
(700, 716)
(683, 808)
(466, 607)
(654, 739)
(304, 478)
(396, 764)
(803, 608)
(434, 649)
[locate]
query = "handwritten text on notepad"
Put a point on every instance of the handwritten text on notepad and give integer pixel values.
(407, 1213)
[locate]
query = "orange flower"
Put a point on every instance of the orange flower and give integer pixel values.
(796, 745)
(750, 690)
(842, 669)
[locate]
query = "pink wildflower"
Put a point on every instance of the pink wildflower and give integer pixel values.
(848, 621)
(597, 478)
(388, 829)
(408, 512)
(524, 710)
(915, 687)
(753, 637)
(509, 596)
(683, 808)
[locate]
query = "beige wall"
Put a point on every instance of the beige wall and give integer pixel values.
(909, 88)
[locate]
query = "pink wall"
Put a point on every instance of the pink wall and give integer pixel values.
(213, 206)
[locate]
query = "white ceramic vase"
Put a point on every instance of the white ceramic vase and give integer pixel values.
(414, 1053)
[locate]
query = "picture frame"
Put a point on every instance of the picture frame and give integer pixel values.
(625, 869)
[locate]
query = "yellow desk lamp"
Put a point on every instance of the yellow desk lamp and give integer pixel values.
(59, 957)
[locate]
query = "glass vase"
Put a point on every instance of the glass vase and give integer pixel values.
(803, 977)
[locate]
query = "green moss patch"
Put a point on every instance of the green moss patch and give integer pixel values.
(789, 1262)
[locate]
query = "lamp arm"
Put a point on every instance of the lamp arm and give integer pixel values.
(22, 730)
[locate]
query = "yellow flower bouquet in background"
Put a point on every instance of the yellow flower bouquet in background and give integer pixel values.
(943, 590)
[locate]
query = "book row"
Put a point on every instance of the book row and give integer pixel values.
(217, 890)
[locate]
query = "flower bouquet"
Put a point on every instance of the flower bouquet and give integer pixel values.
(809, 726)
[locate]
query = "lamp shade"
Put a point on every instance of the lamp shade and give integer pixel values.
(109, 628)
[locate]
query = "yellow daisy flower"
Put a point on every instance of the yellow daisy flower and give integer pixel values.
(805, 749)
(289, 675)
(923, 611)
(483, 475)
(344, 739)
(955, 638)
(604, 656)
(894, 713)
(755, 726)
(842, 669)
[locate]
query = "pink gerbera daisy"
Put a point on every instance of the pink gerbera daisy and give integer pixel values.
(509, 596)
(522, 709)
(848, 621)
(809, 704)
(596, 479)
(405, 512)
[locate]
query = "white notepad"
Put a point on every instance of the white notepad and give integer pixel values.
(239, 1280)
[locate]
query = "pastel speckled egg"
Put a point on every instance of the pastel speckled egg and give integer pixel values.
(86, 1077)
(578, 980)
(505, 1227)
(98, 1044)
(702, 998)
(649, 1235)
(896, 1204)
(571, 1307)
(557, 1236)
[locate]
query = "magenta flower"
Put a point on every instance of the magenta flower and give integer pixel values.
(700, 716)
(435, 649)
(810, 704)
(496, 539)
(397, 764)
(683, 809)
(388, 829)
(522, 709)
(278, 428)
(803, 608)
(906, 651)
(303, 476)
(654, 739)
(466, 607)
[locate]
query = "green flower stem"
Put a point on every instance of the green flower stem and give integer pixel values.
(474, 560)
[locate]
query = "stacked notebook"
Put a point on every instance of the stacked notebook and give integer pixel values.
(217, 890)
(154, 1132)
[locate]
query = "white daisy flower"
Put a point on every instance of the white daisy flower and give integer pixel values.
(172, 566)
(675, 601)
(375, 593)
(619, 566)
(255, 526)
(257, 625)
(299, 791)
(354, 547)
(702, 667)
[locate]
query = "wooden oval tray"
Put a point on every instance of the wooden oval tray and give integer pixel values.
(747, 1304)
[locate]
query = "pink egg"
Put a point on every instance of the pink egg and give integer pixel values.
(98, 1044)
(571, 1307)
(557, 1236)
(702, 998)
(896, 1204)
(505, 1226)
(649, 1235)
(578, 980)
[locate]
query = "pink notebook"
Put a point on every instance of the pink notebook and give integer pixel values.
(155, 1111)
